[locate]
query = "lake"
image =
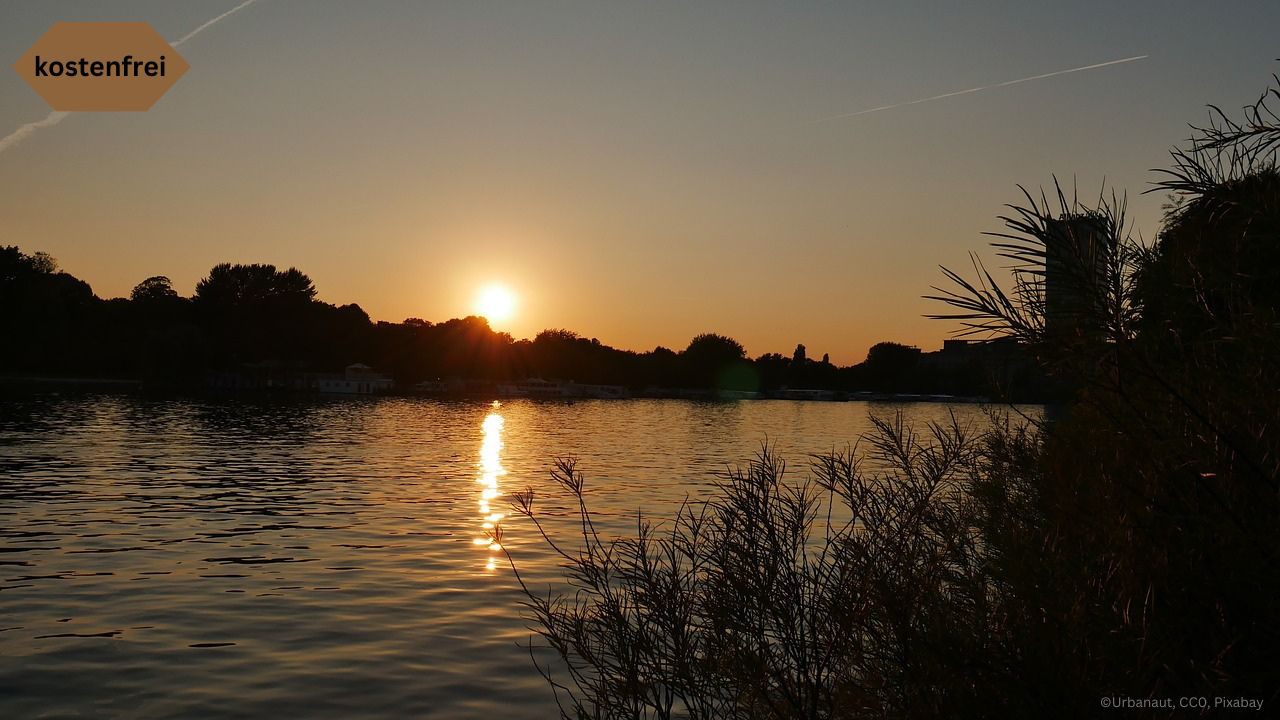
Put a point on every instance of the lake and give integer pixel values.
(325, 558)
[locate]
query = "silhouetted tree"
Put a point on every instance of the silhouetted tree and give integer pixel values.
(556, 335)
(708, 356)
(888, 366)
(152, 289)
(233, 285)
(47, 316)
(1218, 254)
(16, 265)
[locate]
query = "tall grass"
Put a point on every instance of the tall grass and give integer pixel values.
(856, 590)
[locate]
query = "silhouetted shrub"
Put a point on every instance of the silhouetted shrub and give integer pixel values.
(1125, 549)
(862, 590)
(1155, 515)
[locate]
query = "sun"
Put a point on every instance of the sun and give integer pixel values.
(496, 303)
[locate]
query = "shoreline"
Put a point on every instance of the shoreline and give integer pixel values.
(39, 383)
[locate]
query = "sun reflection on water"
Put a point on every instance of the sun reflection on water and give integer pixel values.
(490, 470)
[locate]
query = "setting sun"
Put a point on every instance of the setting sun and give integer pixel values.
(496, 303)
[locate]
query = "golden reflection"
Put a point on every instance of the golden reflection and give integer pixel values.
(490, 470)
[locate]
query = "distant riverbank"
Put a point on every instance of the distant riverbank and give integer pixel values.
(469, 391)
(44, 382)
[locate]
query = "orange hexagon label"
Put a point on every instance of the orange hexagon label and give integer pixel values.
(93, 66)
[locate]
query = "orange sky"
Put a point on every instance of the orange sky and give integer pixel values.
(637, 174)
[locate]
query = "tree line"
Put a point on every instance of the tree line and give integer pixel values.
(247, 314)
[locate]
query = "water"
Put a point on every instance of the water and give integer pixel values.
(328, 558)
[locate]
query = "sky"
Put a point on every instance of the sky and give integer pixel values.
(636, 172)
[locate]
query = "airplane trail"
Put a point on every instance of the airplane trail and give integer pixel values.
(218, 19)
(1006, 83)
(26, 130)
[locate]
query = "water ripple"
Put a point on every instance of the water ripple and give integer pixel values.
(233, 558)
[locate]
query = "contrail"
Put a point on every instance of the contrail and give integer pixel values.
(28, 129)
(1006, 83)
(218, 19)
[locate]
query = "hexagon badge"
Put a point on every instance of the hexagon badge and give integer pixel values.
(101, 66)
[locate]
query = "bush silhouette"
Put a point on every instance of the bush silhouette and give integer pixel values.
(1125, 548)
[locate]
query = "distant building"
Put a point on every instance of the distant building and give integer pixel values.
(954, 354)
(1074, 275)
(357, 379)
(980, 367)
